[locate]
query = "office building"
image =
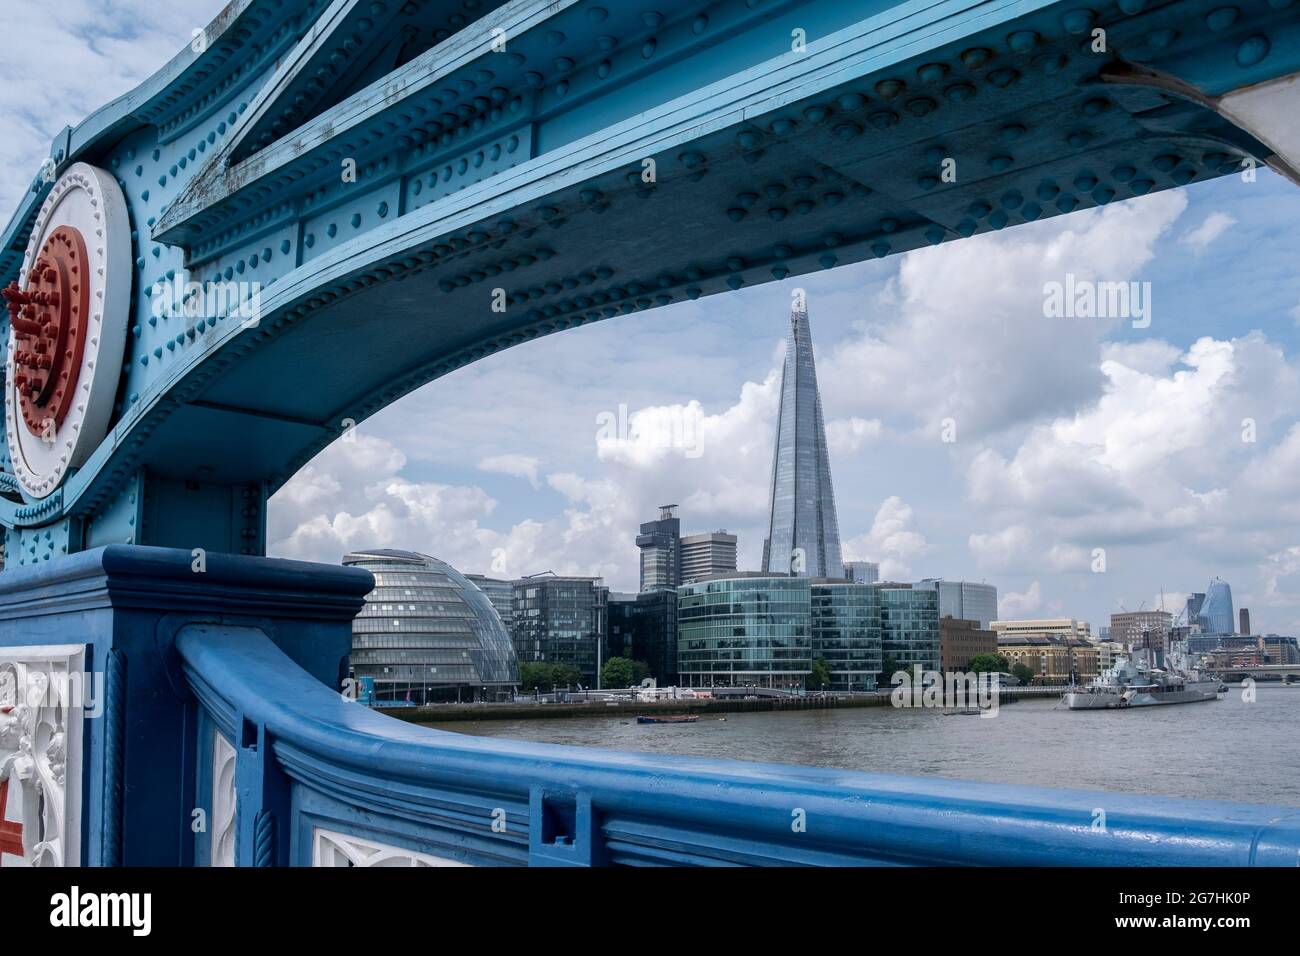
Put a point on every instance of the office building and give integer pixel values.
(660, 544)
(961, 640)
(1282, 650)
(643, 627)
(846, 632)
(704, 555)
(1045, 627)
(746, 629)
(1108, 652)
(502, 595)
(1216, 615)
(1226, 658)
(909, 624)
(1192, 615)
(862, 572)
(803, 533)
(561, 620)
(427, 633)
(1142, 629)
(1273, 648)
(1056, 659)
(967, 600)
(750, 629)
(1243, 617)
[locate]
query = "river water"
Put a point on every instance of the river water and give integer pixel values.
(1231, 749)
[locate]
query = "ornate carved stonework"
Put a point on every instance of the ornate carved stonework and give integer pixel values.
(41, 713)
(223, 801)
(330, 848)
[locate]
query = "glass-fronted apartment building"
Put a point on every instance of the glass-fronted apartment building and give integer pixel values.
(427, 633)
(561, 620)
(862, 572)
(965, 600)
(502, 595)
(643, 627)
(748, 629)
(846, 632)
(909, 624)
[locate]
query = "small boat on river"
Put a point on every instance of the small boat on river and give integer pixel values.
(669, 719)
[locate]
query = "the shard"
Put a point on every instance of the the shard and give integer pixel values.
(803, 535)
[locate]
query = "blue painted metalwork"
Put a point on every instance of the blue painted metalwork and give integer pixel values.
(522, 171)
(127, 604)
(397, 189)
(352, 769)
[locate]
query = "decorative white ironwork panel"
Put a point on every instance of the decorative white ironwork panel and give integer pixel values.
(330, 848)
(223, 801)
(43, 699)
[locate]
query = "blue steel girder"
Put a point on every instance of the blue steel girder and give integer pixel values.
(407, 166)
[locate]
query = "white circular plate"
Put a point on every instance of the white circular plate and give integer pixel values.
(89, 200)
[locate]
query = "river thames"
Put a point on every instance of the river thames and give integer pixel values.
(1230, 749)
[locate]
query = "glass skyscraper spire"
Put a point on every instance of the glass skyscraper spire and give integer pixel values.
(803, 535)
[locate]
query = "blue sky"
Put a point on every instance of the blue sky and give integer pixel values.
(1072, 434)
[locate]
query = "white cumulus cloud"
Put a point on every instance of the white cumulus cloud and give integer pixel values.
(1211, 228)
(893, 541)
(520, 466)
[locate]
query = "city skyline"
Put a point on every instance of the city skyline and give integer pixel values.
(523, 479)
(501, 456)
(335, 433)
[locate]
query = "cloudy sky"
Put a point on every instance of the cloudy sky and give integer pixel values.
(1071, 434)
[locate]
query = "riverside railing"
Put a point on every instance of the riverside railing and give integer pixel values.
(311, 777)
(211, 732)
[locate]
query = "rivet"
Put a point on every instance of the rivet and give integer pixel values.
(1022, 41)
(1078, 21)
(1222, 18)
(1050, 63)
(1252, 50)
(932, 72)
(888, 89)
(1159, 39)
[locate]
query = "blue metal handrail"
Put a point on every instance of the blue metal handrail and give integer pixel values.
(579, 805)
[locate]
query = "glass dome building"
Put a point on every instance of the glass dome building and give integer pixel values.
(427, 633)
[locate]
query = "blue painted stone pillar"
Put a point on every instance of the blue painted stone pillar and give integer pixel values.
(126, 605)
